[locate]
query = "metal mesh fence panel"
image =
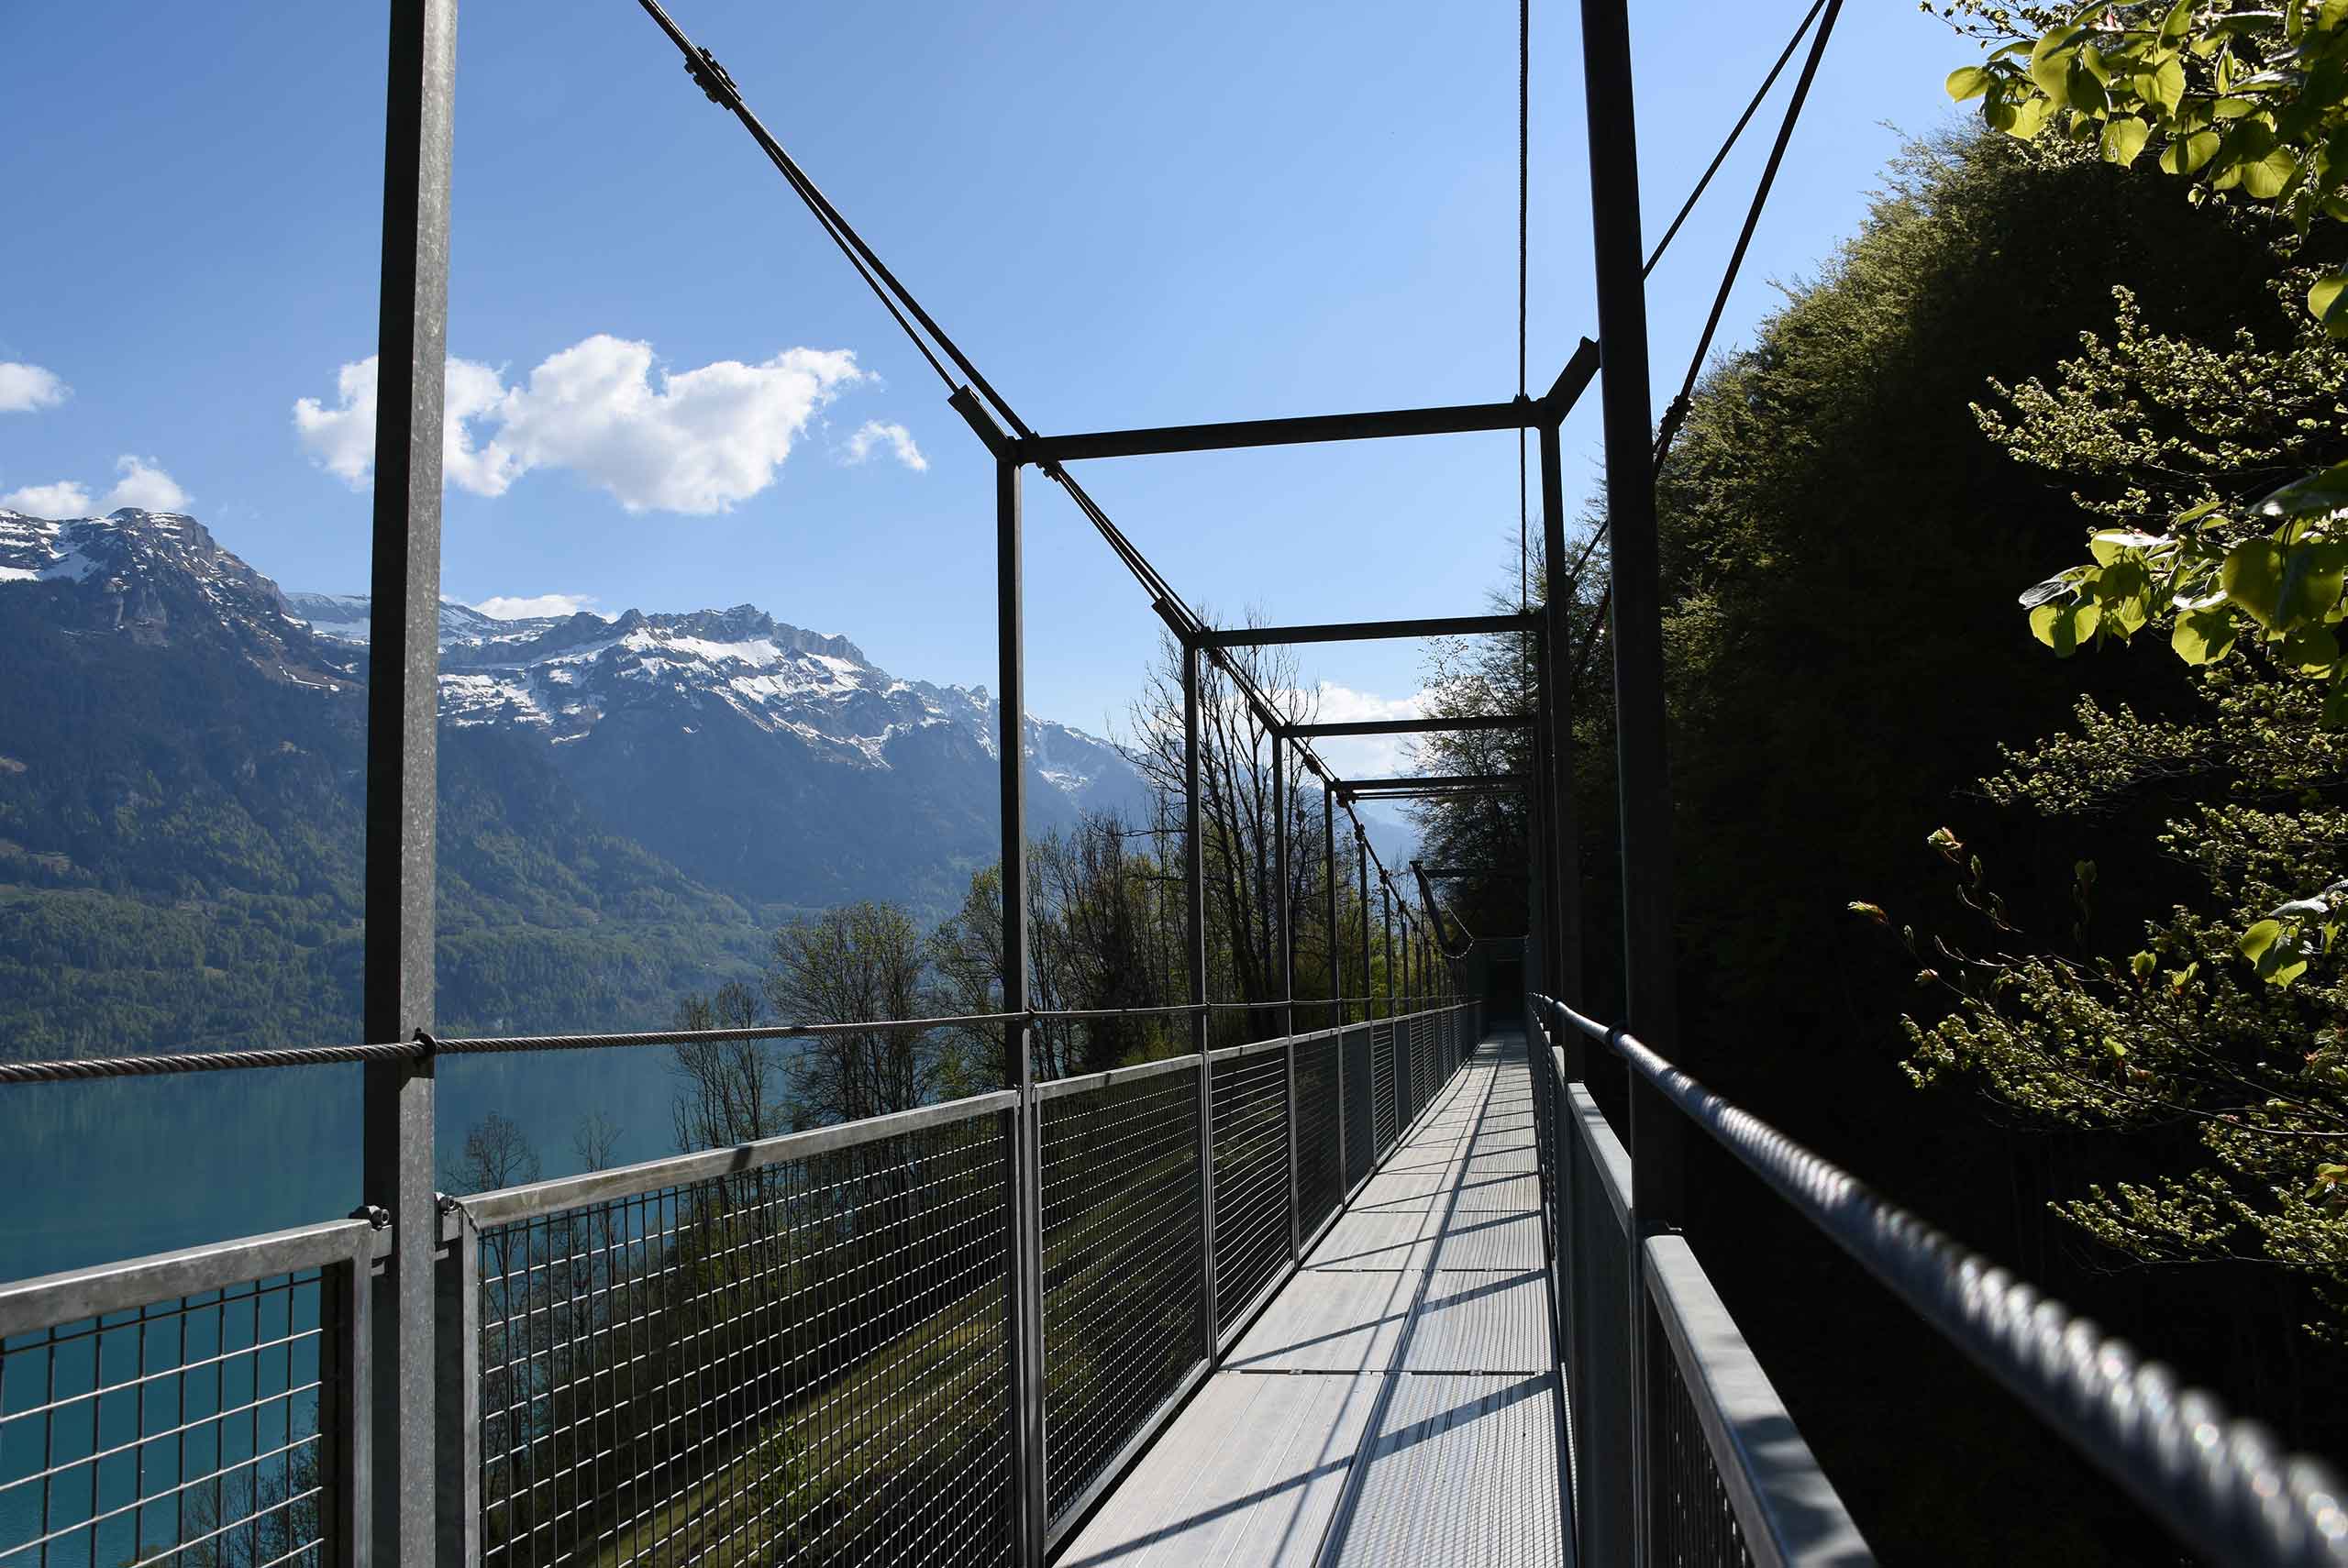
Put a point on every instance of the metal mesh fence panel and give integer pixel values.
(1361, 1134)
(1694, 1522)
(1121, 1267)
(803, 1363)
(1250, 1179)
(1320, 1183)
(1598, 1379)
(1381, 1085)
(198, 1430)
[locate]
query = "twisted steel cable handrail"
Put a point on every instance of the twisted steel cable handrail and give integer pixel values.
(168, 1063)
(2222, 1485)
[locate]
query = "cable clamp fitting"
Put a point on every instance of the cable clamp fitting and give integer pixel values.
(374, 1214)
(431, 1046)
(711, 78)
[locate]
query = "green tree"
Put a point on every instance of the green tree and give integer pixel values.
(2196, 1044)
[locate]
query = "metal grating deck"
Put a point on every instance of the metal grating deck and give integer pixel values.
(1396, 1404)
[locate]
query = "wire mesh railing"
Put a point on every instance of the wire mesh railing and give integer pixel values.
(204, 1407)
(796, 1359)
(1320, 1157)
(1122, 1289)
(1383, 1122)
(796, 1350)
(1359, 1095)
(1251, 1184)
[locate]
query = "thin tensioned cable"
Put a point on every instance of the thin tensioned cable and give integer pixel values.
(1737, 130)
(720, 89)
(1678, 410)
(1523, 247)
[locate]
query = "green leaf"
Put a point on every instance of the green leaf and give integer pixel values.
(2164, 85)
(2190, 154)
(1969, 82)
(2204, 636)
(2265, 178)
(2313, 576)
(2253, 579)
(2311, 650)
(2051, 58)
(2108, 544)
(2253, 944)
(2323, 303)
(2124, 138)
(2063, 627)
(2178, 24)
(2278, 961)
(2142, 964)
(2022, 120)
(2320, 494)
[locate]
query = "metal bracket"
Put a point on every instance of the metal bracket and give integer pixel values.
(711, 78)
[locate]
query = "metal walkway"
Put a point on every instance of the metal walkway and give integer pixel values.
(1397, 1403)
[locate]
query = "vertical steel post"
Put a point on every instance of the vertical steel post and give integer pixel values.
(1019, 1066)
(344, 1408)
(1336, 965)
(1361, 867)
(1285, 955)
(1386, 933)
(1194, 891)
(403, 695)
(1653, 1130)
(457, 1324)
(1555, 780)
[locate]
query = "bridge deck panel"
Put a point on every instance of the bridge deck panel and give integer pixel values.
(1407, 1367)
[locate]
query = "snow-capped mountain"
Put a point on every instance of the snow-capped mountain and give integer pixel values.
(779, 765)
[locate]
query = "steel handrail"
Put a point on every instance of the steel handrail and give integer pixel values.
(2220, 1482)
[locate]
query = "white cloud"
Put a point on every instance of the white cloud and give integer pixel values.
(504, 607)
(342, 439)
(693, 441)
(900, 440)
(24, 388)
(144, 485)
(63, 499)
(1366, 757)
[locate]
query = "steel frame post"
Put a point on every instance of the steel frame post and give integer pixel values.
(1652, 1129)
(1194, 892)
(1028, 1453)
(1554, 778)
(1286, 954)
(1361, 867)
(456, 1308)
(403, 696)
(1336, 966)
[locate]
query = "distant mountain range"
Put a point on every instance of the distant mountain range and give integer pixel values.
(625, 804)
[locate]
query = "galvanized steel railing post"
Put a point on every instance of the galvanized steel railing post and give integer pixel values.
(1194, 891)
(403, 695)
(1337, 967)
(1023, 1188)
(346, 1409)
(1361, 868)
(1655, 1134)
(1285, 939)
(456, 1327)
(1553, 778)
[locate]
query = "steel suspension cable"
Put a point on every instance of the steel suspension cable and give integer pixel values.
(1735, 131)
(712, 80)
(1676, 414)
(720, 89)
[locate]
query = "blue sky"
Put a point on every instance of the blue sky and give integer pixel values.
(1127, 216)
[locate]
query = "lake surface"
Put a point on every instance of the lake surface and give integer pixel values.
(97, 1172)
